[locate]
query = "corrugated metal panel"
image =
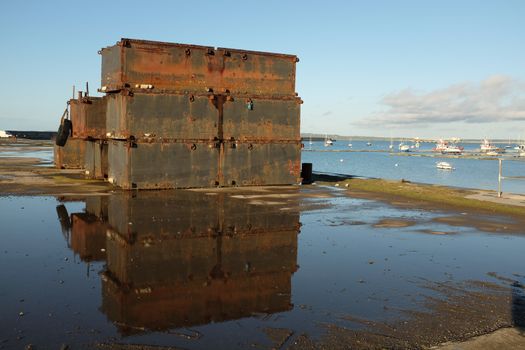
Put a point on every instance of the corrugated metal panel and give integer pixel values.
(250, 163)
(132, 63)
(162, 116)
(260, 119)
(71, 155)
(88, 117)
(163, 165)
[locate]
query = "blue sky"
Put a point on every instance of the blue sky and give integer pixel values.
(379, 68)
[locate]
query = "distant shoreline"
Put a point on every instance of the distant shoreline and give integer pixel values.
(33, 135)
(49, 135)
(335, 138)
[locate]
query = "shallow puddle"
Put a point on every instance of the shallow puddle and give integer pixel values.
(219, 270)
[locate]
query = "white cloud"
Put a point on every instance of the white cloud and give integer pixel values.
(496, 99)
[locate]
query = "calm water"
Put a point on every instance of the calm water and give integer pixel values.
(468, 173)
(199, 270)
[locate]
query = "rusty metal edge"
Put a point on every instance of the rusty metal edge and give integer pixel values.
(122, 41)
(292, 57)
(129, 91)
(149, 140)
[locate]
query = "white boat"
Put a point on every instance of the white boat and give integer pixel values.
(486, 146)
(369, 144)
(492, 153)
(350, 145)
(444, 166)
(403, 148)
(452, 149)
(328, 141)
(521, 149)
(440, 145)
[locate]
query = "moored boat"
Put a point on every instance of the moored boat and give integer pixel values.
(444, 166)
(452, 149)
(328, 141)
(403, 147)
(486, 146)
(440, 145)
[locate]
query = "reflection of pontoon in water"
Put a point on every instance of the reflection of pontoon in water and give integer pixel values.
(189, 258)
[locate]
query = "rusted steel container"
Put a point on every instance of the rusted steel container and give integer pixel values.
(142, 165)
(71, 155)
(261, 119)
(96, 159)
(88, 237)
(161, 116)
(157, 165)
(168, 66)
(88, 117)
(251, 163)
(201, 117)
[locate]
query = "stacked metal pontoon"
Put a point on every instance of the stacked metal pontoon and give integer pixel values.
(183, 116)
(86, 147)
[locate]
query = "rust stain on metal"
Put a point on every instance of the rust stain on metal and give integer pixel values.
(96, 159)
(161, 116)
(88, 117)
(71, 155)
(183, 116)
(193, 68)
